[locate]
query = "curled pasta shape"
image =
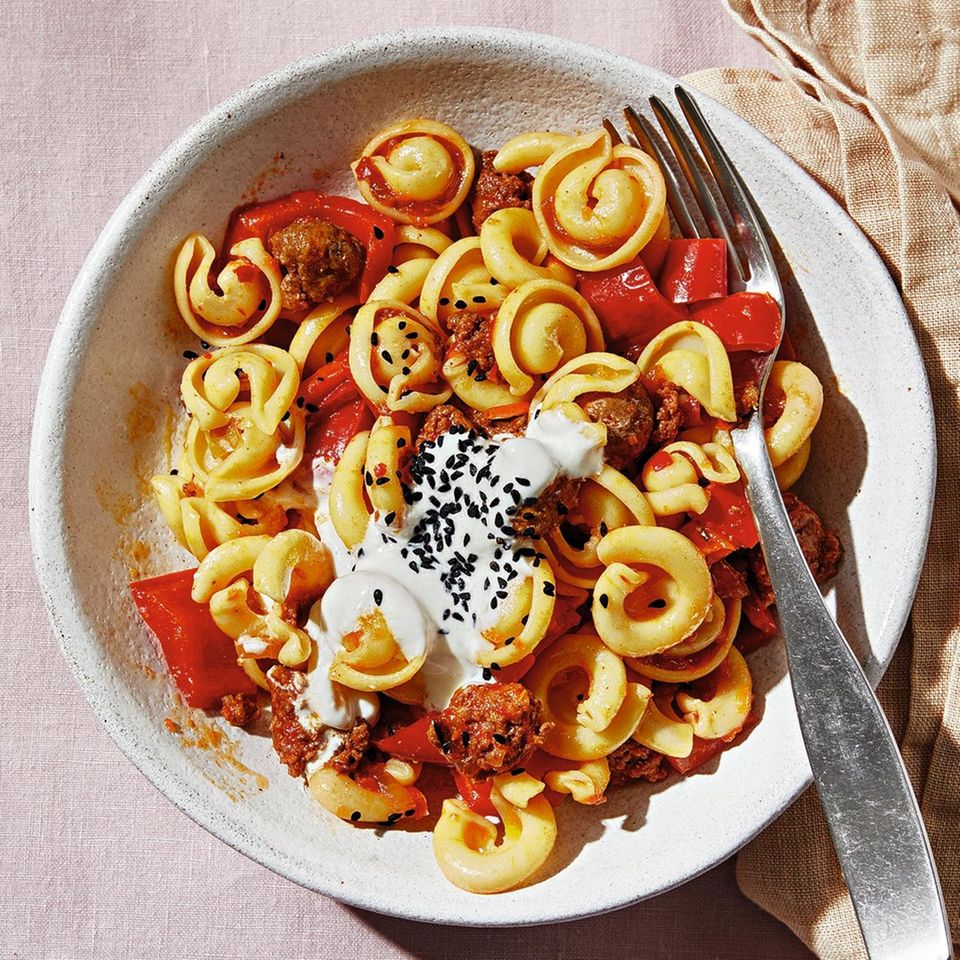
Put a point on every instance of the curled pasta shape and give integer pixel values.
(791, 470)
(701, 653)
(477, 394)
(211, 384)
(413, 255)
(459, 279)
(692, 356)
(588, 705)
(249, 299)
(524, 619)
(515, 252)
(605, 502)
(465, 843)
(416, 171)
(597, 204)
(540, 326)
(396, 355)
(349, 509)
(370, 658)
(418, 243)
(240, 461)
(802, 404)
(589, 373)
(200, 524)
(294, 567)
(671, 476)
(724, 714)
(665, 734)
(222, 566)
(322, 334)
(530, 149)
(655, 590)
(586, 783)
(519, 788)
(374, 798)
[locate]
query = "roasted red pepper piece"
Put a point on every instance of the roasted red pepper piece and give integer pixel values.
(411, 743)
(374, 230)
(336, 409)
(201, 658)
(565, 618)
(628, 303)
(694, 270)
(476, 794)
(726, 525)
(742, 321)
(705, 750)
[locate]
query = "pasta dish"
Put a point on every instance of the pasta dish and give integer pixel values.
(457, 481)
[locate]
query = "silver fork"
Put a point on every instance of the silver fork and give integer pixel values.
(870, 807)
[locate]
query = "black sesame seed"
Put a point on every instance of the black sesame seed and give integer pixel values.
(368, 479)
(392, 269)
(487, 675)
(604, 600)
(401, 443)
(174, 472)
(378, 233)
(444, 301)
(390, 517)
(190, 354)
(412, 335)
(300, 402)
(500, 738)
(328, 357)
(479, 299)
(382, 480)
(374, 338)
(494, 281)
(465, 738)
(355, 816)
(603, 529)
(312, 408)
(386, 356)
(410, 812)
(378, 596)
(461, 304)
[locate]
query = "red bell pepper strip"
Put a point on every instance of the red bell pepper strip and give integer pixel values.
(376, 779)
(476, 794)
(411, 743)
(201, 658)
(336, 409)
(565, 618)
(373, 229)
(694, 270)
(742, 321)
(628, 303)
(705, 750)
(726, 525)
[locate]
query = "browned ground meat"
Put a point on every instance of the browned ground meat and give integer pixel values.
(728, 582)
(320, 260)
(471, 335)
(672, 405)
(746, 395)
(633, 762)
(488, 728)
(239, 708)
(295, 746)
(628, 417)
(440, 420)
(349, 754)
(821, 548)
(550, 508)
(494, 191)
(515, 426)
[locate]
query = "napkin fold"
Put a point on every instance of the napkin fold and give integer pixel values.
(869, 105)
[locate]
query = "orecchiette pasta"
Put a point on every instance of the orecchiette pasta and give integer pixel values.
(671, 476)
(459, 279)
(586, 783)
(725, 713)
(416, 171)
(515, 252)
(598, 205)
(322, 335)
(396, 356)
(655, 590)
(590, 373)
(660, 732)
(539, 327)
(692, 356)
(248, 301)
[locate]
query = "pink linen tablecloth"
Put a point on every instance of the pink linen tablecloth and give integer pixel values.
(93, 861)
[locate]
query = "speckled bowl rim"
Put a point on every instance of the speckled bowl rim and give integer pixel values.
(122, 232)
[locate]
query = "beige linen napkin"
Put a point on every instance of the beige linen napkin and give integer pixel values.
(871, 108)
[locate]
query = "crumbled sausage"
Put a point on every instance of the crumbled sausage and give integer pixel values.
(352, 749)
(549, 509)
(240, 709)
(319, 258)
(821, 548)
(295, 745)
(633, 761)
(441, 420)
(494, 427)
(488, 728)
(728, 582)
(628, 417)
(471, 336)
(494, 191)
(675, 409)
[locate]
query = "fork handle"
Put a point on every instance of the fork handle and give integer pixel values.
(870, 807)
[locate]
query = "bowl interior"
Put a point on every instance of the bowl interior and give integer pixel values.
(108, 407)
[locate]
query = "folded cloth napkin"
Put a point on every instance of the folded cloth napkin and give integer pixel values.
(870, 106)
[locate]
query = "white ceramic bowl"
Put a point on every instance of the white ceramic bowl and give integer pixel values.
(111, 383)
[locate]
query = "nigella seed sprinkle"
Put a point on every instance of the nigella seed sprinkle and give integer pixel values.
(509, 641)
(392, 269)
(355, 816)
(494, 665)
(378, 596)
(312, 408)
(465, 738)
(500, 738)
(461, 304)
(401, 443)
(412, 335)
(390, 517)
(525, 618)
(604, 600)
(386, 356)
(328, 357)
(487, 675)
(405, 371)
(382, 480)
(204, 344)
(190, 354)
(394, 817)
(174, 472)
(410, 812)
(300, 402)
(405, 354)
(479, 299)
(444, 301)
(494, 281)
(368, 479)
(374, 339)
(378, 233)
